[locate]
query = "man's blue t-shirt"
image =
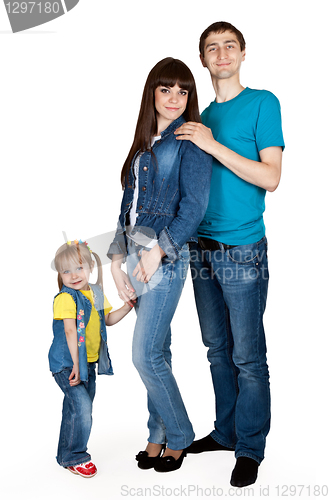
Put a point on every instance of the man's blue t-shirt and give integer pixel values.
(246, 124)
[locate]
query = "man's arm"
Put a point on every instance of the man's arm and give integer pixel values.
(265, 174)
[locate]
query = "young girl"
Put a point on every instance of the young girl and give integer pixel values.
(81, 313)
(166, 187)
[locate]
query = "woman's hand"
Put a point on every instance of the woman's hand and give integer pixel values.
(74, 376)
(149, 263)
(125, 290)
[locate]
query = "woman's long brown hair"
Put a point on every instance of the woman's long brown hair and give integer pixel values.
(167, 73)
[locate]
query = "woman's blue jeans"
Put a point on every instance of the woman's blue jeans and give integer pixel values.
(156, 304)
(76, 417)
(230, 290)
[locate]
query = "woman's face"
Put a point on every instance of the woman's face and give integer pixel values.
(170, 103)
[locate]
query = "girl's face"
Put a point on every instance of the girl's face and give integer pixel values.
(170, 103)
(75, 275)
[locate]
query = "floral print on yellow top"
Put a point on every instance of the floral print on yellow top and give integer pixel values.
(65, 307)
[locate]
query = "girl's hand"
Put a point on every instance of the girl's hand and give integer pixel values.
(113, 317)
(148, 264)
(74, 376)
(125, 290)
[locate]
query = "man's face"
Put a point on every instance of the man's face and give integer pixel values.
(222, 55)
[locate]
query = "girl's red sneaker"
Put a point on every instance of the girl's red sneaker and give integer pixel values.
(87, 469)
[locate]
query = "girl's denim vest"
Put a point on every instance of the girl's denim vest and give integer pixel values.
(59, 355)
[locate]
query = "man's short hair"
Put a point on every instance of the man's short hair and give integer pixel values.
(220, 27)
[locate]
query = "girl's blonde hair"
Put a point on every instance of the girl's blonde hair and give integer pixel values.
(79, 253)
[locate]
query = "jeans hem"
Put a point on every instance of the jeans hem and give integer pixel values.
(179, 447)
(71, 463)
(155, 441)
(219, 441)
(248, 455)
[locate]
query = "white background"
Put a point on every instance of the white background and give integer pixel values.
(70, 95)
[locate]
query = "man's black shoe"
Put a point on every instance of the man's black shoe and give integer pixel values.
(245, 472)
(206, 444)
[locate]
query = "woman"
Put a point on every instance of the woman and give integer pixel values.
(166, 186)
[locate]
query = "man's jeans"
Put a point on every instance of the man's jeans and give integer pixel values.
(230, 290)
(76, 418)
(156, 304)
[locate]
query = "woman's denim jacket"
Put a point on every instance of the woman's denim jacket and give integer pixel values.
(59, 355)
(173, 194)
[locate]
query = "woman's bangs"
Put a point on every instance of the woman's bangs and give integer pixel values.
(176, 74)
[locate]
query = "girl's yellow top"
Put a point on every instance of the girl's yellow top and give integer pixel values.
(65, 307)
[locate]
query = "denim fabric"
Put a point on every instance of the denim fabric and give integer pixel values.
(168, 419)
(174, 184)
(76, 418)
(230, 291)
(59, 355)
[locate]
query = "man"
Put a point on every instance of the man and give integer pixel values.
(242, 131)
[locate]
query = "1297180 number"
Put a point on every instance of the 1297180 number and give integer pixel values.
(29, 7)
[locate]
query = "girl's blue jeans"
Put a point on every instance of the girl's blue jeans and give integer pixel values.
(76, 417)
(231, 289)
(157, 301)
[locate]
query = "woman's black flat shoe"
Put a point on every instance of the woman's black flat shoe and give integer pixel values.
(168, 464)
(146, 462)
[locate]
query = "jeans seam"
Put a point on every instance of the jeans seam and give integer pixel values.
(73, 415)
(233, 366)
(153, 367)
(61, 375)
(259, 314)
(264, 242)
(260, 319)
(230, 357)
